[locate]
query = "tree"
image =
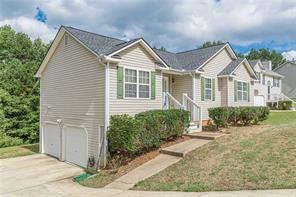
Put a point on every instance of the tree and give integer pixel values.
(162, 48)
(19, 90)
(210, 43)
(266, 54)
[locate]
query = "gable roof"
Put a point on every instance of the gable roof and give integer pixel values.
(105, 46)
(192, 59)
(283, 64)
(233, 66)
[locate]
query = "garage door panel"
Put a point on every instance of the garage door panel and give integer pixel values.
(76, 145)
(51, 139)
(259, 101)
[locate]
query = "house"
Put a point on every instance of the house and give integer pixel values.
(288, 70)
(85, 78)
(268, 88)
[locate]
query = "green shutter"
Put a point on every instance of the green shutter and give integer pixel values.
(248, 88)
(235, 91)
(202, 82)
(119, 82)
(213, 89)
(152, 85)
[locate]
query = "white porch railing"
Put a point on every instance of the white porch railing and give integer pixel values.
(188, 104)
(278, 97)
(170, 102)
(194, 112)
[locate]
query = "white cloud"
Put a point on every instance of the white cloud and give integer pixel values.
(290, 55)
(30, 26)
(175, 24)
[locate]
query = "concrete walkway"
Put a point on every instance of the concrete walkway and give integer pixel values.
(169, 156)
(144, 171)
(68, 188)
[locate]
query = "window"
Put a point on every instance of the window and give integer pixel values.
(276, 82)
(242, 91)
(259, 76)
(208, 89)
(144, 84)
(136, 83)
(263, 81)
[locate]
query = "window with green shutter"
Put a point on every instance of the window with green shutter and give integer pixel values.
(235, 90)
(119, 82)
(135, 83)
(153, 85)
(241, 91)
(202, 82)
(213, 89)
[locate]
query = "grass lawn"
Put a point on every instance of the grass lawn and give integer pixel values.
(257, 157)
(17, 151)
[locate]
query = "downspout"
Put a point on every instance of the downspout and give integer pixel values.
(107, 116)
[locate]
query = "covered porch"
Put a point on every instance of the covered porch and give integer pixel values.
(178, 93)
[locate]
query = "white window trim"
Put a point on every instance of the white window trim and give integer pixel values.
(137, 83)
(211, 99)
(237, 81)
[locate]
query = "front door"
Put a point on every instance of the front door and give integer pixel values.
(165, 84)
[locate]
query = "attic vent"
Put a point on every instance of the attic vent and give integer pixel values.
(66, 40)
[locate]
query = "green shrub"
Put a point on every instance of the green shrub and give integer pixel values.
(6, 140)
(224, 116)
(234, 115)
(123, 134)
(220, 116)
(157, 126)
(263, 113)
(146, 130)
(285, 105)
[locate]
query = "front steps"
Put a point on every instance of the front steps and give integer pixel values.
(183, 148)
(205, 135)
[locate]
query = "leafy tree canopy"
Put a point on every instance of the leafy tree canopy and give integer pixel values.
(266, 54)
(210, 43)
(19, 90)
(162, 48)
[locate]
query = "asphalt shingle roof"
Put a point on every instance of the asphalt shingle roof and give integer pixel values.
(187, 60)
(253, 63)
(98, 43)
(231, 67)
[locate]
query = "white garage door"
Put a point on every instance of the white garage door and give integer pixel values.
(259, 101)
(76, 145)
(51, 139)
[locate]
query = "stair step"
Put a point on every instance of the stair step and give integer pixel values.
(205, 135)
(183, 148)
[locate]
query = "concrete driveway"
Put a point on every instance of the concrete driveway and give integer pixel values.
(21, 173)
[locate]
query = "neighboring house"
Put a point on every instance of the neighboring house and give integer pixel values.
(268, 88)
(85, 78)
(288, 70)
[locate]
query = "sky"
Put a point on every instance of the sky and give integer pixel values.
(177, 25)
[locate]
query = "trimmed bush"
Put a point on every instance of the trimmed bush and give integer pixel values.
(6, 141)
(220, 116)
(123, 134)
(234, 115)
(147, 130)
(285, 105)
(158, 125)
(224, 116)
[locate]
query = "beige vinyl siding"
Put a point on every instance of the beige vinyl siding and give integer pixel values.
(242, 74)
(72, 86)
(134, 57)
(182, 84)
(212, 69)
